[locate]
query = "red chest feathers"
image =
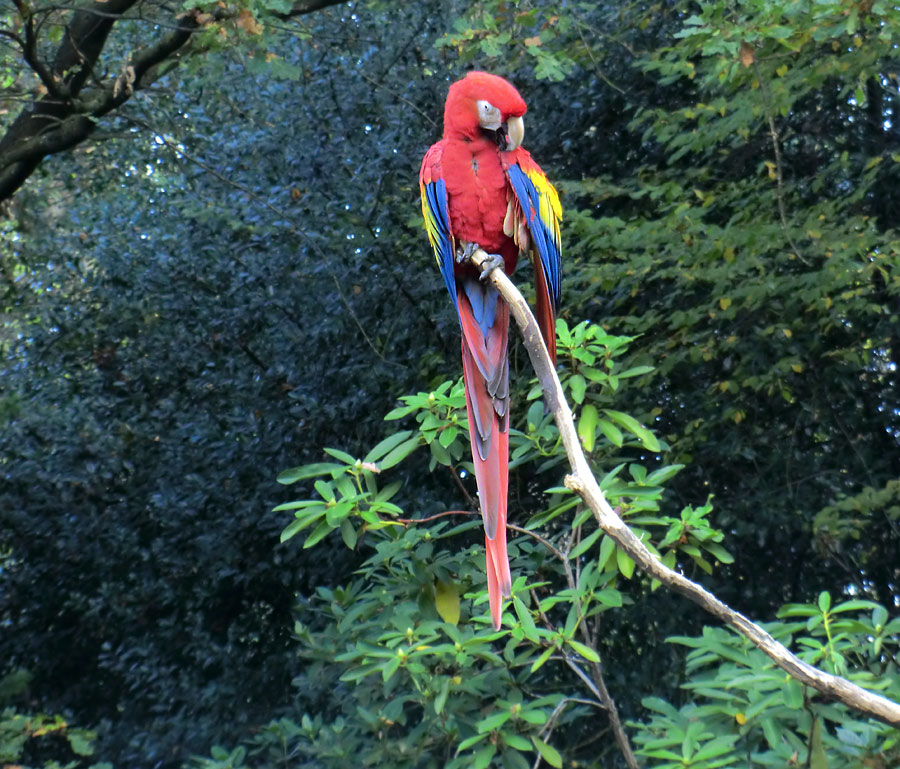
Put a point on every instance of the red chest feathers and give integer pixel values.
(477, 191)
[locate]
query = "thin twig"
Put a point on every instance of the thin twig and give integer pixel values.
(545, 542)
(595, 683)
(779, 172)
(411, 521)
(600, 73)
(473, 503)
(546, 731)
(612, 713)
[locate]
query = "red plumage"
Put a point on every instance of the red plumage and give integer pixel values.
(479, 187)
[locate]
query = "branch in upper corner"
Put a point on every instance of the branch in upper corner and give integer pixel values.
(63, 117)
(583, 482)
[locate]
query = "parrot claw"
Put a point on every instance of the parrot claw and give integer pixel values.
(463, 255)
(490, 264)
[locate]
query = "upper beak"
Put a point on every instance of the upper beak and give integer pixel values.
(515, 133)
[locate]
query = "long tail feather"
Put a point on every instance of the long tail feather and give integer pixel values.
(485, 331)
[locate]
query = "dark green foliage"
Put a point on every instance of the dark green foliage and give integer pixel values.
(36, 738)
(423, 679)
(201, 342)
(418, 678)
(231, 275)
(744, 709)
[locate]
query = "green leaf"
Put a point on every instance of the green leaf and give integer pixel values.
(470, 741)
(516, 741)
(298, 524)
(587, 426)
(609, 597)
(383, 447)
(295, 474)
(317, 534)
(636, 371)
(483, 757)
(446, 600)
(647, 438)
(399, 453)
(326, 490)
(524, 615)
(80, 742)
(535, 415)
(493, 721)
(441, 698)
(607, 548)
(545, 655)
(348, 533)
(817, 757)
(792, 694)
(446, 437)
(586, 544)
(797, 610)
(440, 454)
(577, 386)
(771, 732)
(854, 605)
(613, 433)
(659, 476)
(625, 564)
(721, 554)
(342, 455)
(585, 651)
(534, 716)
(399, 412)
(548, 752)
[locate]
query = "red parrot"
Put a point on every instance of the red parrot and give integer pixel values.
(481, 189)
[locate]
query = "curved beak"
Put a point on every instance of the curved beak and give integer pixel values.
(515, 133)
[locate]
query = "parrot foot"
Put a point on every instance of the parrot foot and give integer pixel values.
(490, 264)
(464, 255)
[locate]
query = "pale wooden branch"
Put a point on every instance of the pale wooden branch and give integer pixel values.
(582, 482)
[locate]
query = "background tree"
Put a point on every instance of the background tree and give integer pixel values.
(84, 62)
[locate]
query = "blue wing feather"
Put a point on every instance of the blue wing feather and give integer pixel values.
(434, 197)
(544, 234)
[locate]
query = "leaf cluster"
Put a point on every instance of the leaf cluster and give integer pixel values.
(741, 708)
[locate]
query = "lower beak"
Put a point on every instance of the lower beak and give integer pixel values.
(515, 133)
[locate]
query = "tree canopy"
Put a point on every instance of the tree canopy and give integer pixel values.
(213, 269)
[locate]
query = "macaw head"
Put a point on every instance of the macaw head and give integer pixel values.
(485, 105)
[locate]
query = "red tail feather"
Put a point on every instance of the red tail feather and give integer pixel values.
(486, 371)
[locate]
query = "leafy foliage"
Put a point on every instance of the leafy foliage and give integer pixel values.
(741, 708)
(421, 678)
(39, 739)
(225, 276)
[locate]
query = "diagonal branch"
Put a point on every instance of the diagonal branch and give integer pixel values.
(582, 482)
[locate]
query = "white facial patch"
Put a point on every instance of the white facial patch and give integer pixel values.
(488, 115)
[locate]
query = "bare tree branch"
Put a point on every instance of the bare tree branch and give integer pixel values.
(67, 114)
(582, 482)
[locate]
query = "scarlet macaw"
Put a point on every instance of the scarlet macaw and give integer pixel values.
(480, 188)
